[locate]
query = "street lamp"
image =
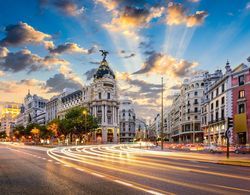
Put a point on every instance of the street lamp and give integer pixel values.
(84, 112)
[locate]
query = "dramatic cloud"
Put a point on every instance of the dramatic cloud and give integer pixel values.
(177, 15)
(25, 60)
(58, 82)
(90, 73)
(133, 17)
(69, 7)
(2, 73)
(164, 64)
(129, 20)
(15, 86)
(71, 48)
(248, 6)
(22, 33)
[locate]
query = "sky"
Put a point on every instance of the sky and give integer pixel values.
(48, 45)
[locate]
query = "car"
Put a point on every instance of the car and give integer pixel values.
(242, 149)
(213, 148)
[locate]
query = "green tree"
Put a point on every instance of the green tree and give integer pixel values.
(78, 121)
(3, 135)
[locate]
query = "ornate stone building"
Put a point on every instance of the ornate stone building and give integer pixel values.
(101, 99)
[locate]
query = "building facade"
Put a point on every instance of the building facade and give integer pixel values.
(9, 113)
(182, 120)
(127, 121)
(241, 104)
(33, 111)
(216, 108)
(101, 100)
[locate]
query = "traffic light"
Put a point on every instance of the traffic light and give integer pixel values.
(230, 122)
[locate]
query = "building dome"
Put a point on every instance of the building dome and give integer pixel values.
(104, 71)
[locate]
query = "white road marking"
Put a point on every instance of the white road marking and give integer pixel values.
(98, 175)
(50, 160)
(123, 183)
(154, 192)
(66, 165)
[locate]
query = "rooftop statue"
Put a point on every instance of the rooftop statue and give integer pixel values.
(104, 54)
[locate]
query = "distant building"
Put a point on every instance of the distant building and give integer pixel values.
(33, 111)
(9, 114)
(52, 109)
(127, 121)
(141, 129)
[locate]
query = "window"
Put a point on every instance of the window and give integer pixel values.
(212, 95)
(222, 100)
(216, 116)
(217, 91)
(195, 117)
(195, 101)
(195, 93)
(241, 94)
(100, 95)
(195, 109)
(241, 108)
(223, 87)
(212, 106)
(241, 80)
(108, 96)
(222, 113)
(217, 103)
(212, 117)
(188, 110)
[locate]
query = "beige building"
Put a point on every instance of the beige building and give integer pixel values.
(9, 113)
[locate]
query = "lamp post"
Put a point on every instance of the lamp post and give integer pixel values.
(84, 112)
(162, 113)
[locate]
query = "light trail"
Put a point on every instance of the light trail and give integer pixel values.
(170, 181)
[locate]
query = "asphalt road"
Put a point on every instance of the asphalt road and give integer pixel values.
(114, 169)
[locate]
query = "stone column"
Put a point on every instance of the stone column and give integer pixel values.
(115, 138)
(103, 115)
(104, 135)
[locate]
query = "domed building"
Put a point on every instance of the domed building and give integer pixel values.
(101, 99)
(104, 104)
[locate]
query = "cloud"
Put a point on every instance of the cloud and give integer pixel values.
(22, 33)
(177, 15)
(71, 48)
(248, 6)
(130, 56)
(114, 4)
(3, 52)
(25, 60)
(2, 73)
(90, 73)
(159, 63)
(129, 20)
(15, 86)
(69, 7)
(58, 82)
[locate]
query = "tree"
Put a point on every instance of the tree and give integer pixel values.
(78, 121)
(3, 135)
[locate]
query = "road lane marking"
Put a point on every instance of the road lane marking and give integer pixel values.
(98, 175)
(154, 192)
(50, 160)
(123, 183)
(108, 177)
(66, 165)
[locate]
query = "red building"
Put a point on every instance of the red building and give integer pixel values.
(241, 104)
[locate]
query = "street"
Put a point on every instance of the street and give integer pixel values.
(114, 169)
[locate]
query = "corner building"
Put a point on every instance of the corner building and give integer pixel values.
(101, 99)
